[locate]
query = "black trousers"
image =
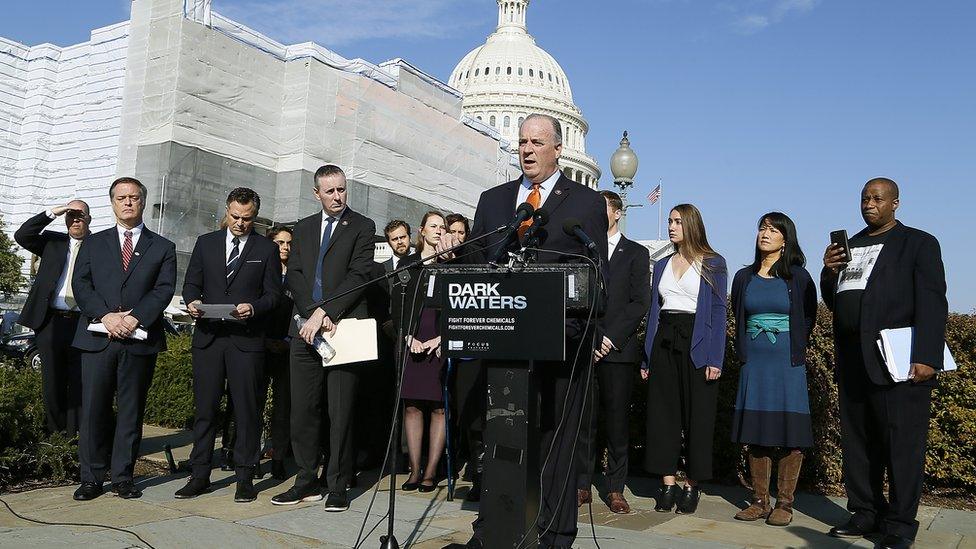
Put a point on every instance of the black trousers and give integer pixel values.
(611, 397)
(243, 372)
(681, 403)
(471, 390)
(60, 372)
(884, 429)
(112, 374)
(277, 374)
(310, 382)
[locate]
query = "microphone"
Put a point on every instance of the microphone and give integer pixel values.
(522, 214)
(573, 227)
(539, 218)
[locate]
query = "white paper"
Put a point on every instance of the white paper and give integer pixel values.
(896, 349)
(217, 310)
(855, 275)
(354, 341)
(98, 328)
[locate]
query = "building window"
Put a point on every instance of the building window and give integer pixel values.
(531, 72)
(491, 121)
(498, 70)
(487, 70)
(520, 120)
(467, 74)
(509, 71)
(508, 122)
(520, 71)
(476, 72)
(480, 119)
(550, 77)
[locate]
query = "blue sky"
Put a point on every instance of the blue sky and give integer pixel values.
(741, 107)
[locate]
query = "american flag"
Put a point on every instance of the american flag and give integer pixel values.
(654, 195)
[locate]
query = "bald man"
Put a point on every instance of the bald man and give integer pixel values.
(51, 310)
(894, 279)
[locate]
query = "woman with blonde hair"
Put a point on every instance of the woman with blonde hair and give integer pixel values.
(684, 350)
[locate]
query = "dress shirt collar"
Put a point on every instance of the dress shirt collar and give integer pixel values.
(136, 231)
(229, 239)
(337, 217)
(546, 185)
(612, 241)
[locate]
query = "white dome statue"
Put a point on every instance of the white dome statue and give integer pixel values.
(510, 77)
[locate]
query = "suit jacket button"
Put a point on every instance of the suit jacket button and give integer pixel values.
(227, 292)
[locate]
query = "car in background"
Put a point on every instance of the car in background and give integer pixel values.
(17, 341)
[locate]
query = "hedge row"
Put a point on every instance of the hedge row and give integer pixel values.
(25, 452)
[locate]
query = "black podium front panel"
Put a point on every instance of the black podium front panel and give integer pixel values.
(503, 315)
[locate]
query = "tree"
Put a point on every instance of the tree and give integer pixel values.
(11, 279)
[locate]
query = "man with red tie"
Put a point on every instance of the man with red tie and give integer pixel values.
(124, 278)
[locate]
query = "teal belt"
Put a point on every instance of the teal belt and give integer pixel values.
(768, 323)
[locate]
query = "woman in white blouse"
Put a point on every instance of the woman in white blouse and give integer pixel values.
(684, 350)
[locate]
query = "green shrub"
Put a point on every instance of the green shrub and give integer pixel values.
(27, 452)
(170, 399)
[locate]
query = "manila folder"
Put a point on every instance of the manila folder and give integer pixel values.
(354, 341)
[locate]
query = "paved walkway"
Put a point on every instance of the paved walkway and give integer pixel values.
(424, 521)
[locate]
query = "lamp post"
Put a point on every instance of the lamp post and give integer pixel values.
(623, 165)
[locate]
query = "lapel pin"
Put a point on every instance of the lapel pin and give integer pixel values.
(559, 191)
(135, 253)
(345, 222)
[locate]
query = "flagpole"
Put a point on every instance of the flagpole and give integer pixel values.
(660, 206)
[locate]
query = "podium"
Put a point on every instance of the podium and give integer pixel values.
(510, 318)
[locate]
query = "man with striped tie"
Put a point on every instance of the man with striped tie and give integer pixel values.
(233, 266)
(123, 279)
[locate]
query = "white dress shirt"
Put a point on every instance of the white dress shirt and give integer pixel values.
(544, 189)
(229, 245)
(59, 301)
(136, 231)
(612, 242)
(325, 221)
(679, 295)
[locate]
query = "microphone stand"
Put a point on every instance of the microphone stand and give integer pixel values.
(389, 541)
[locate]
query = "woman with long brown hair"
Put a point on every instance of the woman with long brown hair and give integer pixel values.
(684, 350)
(423, 366)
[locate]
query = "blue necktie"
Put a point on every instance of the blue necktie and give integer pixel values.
(326, 235)
(234, 256)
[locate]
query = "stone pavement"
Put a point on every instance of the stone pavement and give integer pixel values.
(423, 521)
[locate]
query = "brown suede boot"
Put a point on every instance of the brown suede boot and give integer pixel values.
(760, 465)
(787, 474)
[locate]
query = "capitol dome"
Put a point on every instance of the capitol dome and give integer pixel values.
(510, 77)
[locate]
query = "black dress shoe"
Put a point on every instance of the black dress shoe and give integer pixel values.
(337, 501)
(297, 494)
(688, 503)
(278, 469)
(409, 486)
(227, 463)
(427, 488)
(666, 498)
(245, 491)
(852, 529)
(126, 490)
(891, 541)
(194, 487)
(474, 543)
(88, 491)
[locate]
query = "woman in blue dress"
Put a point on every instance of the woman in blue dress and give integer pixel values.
(775, 306)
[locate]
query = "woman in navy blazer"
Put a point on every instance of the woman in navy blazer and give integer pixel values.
(684, 351)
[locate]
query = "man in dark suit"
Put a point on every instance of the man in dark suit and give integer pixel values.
(542, 184)
(52, 312)
(895, 279)
(332, 251)
(239, 267)
(124, 278)
(619, 356)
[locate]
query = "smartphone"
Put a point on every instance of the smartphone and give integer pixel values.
(839, 238)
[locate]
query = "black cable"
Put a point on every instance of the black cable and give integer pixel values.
(572, 457)
(82, 524)
(396, 408)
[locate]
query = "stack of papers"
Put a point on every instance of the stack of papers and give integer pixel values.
(98, 328)
(896, 348)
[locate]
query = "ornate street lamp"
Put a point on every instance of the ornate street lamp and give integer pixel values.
(623, 165)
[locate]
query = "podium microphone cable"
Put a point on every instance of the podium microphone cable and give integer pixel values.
(82, 524)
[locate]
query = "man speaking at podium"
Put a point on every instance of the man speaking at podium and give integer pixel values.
(543, 185)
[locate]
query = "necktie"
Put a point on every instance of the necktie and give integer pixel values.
(126, 250)
(326, 236)
(69, 294)
(535, 199)
(235, 254)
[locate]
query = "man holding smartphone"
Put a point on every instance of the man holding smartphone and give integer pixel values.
(891, 276)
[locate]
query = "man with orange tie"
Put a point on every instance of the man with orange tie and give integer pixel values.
(52, 312)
